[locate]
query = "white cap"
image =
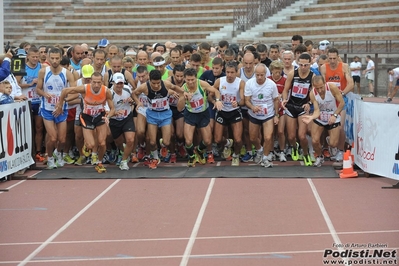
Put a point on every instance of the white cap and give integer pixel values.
(118, 77)
(323, 45)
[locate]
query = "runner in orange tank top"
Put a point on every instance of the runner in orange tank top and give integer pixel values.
(93, 117)
(339, 74)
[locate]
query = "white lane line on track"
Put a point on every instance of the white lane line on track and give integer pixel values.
(190, 244)
(199, 256)
(198, 238)
(65, 226)
(16, 184)
(327, 219)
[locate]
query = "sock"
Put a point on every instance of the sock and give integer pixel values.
(201, 146)
(155, 154)
(190, 150)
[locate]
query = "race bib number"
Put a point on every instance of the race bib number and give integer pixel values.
(228, 98)
(324, 116)
(159, 104)
(144, 101)
(173, 100)
(94, 110)
(53, 100)
(262, 111)
(122, 114)
(196, 104)
(300, 90)
(32, 94)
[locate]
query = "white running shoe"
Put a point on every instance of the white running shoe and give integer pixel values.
(51, 164)
(123, 165)
(271, 157)
(266, 163)
(258, 158)
(319, 161)
(282, 157)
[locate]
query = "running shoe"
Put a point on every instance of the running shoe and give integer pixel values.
(51, 164)
(191, 161)
(164, 150)
(173, 158)
(100, 168)
(166, 159)
(181, 150)
(140, 153)
(134, 158)
(319, 161)
(68, 159)
(94, 159)
(227, 149)
(307, 160)
(200, 156)
(80, 161)
(123, 165)
(210, 158)
(247, 158)
(39, 157)
(235, 161)
(154, 163)
(266, 163)
(85, 151)
(282, 157)
(295, 152)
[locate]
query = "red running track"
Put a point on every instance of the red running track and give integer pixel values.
(193, 221)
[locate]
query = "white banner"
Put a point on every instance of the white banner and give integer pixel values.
(16, 138)
(376, 138)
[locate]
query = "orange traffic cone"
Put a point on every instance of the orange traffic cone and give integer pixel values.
(347, 170)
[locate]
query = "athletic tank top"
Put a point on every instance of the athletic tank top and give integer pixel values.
(327, 106)
(198, 102)
(244, 76)
(336, 76)
(53, 84)
(300, 88)
(158, 100)
(165, 75)
(122, 107)
(173, 100)
(229, 92)
(93, 102)
(30, 92)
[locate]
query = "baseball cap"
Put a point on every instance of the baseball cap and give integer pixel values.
(103, 43)
(21, 52)
(118, 77)
(87, 71)
(323, 45)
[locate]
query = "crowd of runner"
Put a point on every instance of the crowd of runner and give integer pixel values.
(159, 102)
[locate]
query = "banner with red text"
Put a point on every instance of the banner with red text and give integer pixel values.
(16, 138)
(376, 138)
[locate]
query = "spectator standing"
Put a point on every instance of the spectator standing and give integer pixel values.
(355, 68)
(393, 74)
(369, 74)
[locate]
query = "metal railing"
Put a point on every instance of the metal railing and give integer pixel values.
(255, 12)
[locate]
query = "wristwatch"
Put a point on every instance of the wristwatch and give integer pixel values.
(336, 115)
(217, 99)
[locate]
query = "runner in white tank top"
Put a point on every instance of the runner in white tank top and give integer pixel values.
(328, 104)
